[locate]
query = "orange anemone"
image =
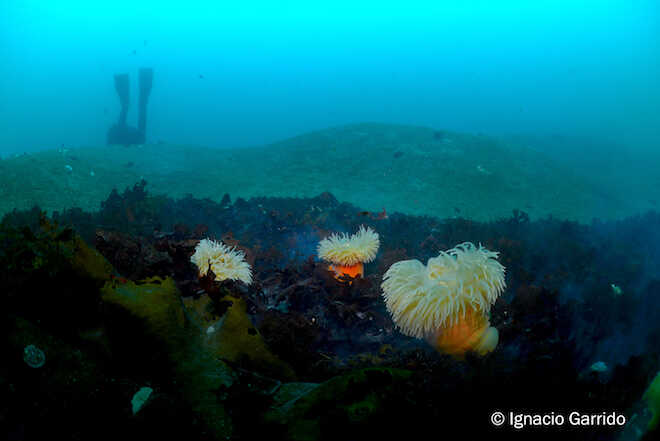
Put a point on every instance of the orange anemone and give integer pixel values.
(348, 254)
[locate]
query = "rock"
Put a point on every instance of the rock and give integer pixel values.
(152, 326)
(343, 404)
(234, 338)
(140, 399)
(288, 393)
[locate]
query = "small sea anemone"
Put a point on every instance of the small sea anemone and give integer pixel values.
(447, 301)
(225, 262)
(348, 254)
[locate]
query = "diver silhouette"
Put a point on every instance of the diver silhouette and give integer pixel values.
(121, 133)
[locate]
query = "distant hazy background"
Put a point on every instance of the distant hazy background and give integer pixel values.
(245, 73)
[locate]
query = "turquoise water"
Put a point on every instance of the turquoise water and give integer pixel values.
(246, 73)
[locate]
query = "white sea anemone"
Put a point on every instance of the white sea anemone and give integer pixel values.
(225, 262)
(460, 282)
(345, 250)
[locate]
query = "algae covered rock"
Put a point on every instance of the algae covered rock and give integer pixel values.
(48, 273)
(645, 415)
(234, 338)
(289, 393)
(89, 263)
(353, 403)
(652, 397)
(152, 304)
(152, 327)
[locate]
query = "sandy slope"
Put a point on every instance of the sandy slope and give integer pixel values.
(409, 169)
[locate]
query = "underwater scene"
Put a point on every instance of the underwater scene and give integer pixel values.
(347, 220)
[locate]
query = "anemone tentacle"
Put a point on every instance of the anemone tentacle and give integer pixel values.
(225, 262)
(463, 280)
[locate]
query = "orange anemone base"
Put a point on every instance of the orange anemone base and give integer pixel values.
(471, 333)
(354, 271)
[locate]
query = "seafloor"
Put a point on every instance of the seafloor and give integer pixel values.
(412, 170)
(112, 300)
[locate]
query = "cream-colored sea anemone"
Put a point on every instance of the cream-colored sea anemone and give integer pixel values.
(451, 295)
(348, 253)
(225, 262)
(344, 250)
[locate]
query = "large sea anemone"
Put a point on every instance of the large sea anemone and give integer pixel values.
(225, 262)
(447, 302)
(348, 254)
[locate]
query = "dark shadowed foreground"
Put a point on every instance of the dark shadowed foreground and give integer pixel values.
(98, 306)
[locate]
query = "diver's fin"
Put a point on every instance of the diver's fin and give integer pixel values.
(123, 90)
(146, 79)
